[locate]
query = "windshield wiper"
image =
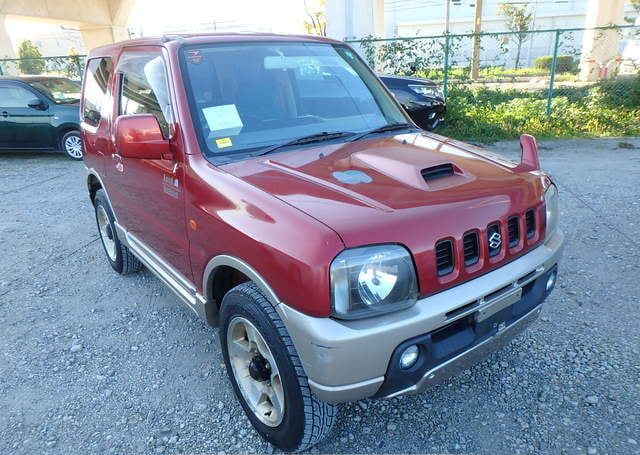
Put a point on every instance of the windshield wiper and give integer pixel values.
(318, 137)
(384, 129)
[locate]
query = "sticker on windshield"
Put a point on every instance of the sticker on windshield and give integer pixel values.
(224, 142)
(223, 120)
(194, 56)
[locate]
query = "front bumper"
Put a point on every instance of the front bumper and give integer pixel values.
(352, 360)
(427, 116)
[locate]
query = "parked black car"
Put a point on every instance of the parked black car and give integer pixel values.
(421, 98)
(40, 112)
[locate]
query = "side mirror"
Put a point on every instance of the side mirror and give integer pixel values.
(139, 136)
(38, 104)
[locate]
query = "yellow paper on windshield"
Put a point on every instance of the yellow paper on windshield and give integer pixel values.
(224, 142)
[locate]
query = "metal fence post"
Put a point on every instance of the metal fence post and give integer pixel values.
(78, 67)
(445, 82)
(552, 77)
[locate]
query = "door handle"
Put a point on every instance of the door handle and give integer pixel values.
(5, 114)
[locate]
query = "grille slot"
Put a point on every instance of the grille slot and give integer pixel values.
(444, 257)
(530, 221)
(437, 172)
(513, 226)
(470, 244)
(494, 239)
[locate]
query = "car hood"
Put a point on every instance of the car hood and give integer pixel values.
(375, 191)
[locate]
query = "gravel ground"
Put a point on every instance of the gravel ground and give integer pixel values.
(92, 362)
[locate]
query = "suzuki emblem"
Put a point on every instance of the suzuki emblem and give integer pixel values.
(495, 240)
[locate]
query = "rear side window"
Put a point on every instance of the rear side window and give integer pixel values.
(14, 96)
(144, 88)
(95, 104)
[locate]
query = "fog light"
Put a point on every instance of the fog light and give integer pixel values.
(551, 281)
(409, 357)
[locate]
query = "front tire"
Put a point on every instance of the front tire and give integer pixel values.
(121, 259)
(267, 375)
(71, 144)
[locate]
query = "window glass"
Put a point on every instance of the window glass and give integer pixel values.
(59, 89)
(245, 97)
(95, 99)
(144, 88)
(15, 96)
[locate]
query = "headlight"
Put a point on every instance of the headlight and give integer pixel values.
(427, 90)
(551, 202)
(372, 280)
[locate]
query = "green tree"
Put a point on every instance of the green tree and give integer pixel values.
(519, 21)
(30, 58)
(72, 64)
(318, 20)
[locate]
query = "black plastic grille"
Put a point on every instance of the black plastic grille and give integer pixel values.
(436, 172)
(513, 225)
(444, 257)
(470, 244)
(530, 221)
(494, 239)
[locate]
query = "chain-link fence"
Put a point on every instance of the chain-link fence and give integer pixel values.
(500, 84)
(70, 66)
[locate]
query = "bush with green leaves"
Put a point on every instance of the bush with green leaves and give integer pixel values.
(564, 63)
(606, 108)
(31, 61)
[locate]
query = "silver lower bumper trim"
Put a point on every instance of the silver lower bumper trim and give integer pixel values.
(469, 358)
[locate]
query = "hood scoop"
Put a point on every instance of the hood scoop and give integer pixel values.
(432, 173)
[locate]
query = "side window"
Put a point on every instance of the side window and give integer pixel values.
(144, 88)
(95, 99)
(14, 96)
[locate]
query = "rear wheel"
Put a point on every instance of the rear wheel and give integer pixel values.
(71, 144)
(121, 259)
(267, 375)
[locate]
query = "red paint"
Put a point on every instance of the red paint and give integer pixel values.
(286, 215)
(529, 160)
(139, 136)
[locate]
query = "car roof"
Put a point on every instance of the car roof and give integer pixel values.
(206, 38)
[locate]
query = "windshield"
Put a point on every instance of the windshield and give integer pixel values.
(60, 90)
(246, 97)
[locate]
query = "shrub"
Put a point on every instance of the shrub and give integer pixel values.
(564, 63)
(607, 108)
(30, 58)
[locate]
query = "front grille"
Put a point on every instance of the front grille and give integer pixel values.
(444, 257)
(513, 226)
(530, 221)
(470, 244)
(436, 172)
(472, 250)
(494, 239)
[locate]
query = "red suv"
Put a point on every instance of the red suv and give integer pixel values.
(277, 187)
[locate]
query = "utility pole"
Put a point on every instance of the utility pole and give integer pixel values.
(477, 28)
(447, 4)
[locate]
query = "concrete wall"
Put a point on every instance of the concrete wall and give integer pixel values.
(99, 21)
(6, 49)
(353, 19)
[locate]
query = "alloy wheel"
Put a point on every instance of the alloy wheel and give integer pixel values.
(106, 232)
(73, 146)
(255, 371)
